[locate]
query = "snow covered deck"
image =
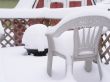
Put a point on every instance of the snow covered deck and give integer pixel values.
(16, 66)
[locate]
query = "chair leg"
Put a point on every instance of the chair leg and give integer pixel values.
(99, 67)
(88, 65)
(72, 65)
(69, 66)
(49, 64)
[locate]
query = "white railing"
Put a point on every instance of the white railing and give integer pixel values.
(15, 21)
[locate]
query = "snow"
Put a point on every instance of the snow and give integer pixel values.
(104, 4)
(81, 13)
(47, 12)
(17, 66)
(106, 71)
(34, 37)
(22, 13)
(106, 1)
(1, 29)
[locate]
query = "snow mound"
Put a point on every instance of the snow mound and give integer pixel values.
(34, 37)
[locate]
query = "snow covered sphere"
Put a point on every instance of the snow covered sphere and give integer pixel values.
(34, 37)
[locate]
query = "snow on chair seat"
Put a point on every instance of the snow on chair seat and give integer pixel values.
(35, 40)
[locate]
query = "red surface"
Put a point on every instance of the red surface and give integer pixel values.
(60, 5)
(89, 2)
(75, 3)
(40, 4)
(56, 5)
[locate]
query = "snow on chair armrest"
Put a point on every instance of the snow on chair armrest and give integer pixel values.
(50, 31)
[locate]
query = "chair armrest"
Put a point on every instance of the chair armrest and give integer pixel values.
(105, 29)
(50, 31)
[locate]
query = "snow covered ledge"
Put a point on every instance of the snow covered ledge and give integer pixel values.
(47, 12)
(19, 19)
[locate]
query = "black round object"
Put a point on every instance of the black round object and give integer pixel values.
(35, 52)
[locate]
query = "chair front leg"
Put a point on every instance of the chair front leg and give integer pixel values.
(99, 67)
(49, 63)
(69, 66)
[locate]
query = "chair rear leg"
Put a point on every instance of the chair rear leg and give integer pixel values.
(49, 64)
(88, 65)
(100, 70)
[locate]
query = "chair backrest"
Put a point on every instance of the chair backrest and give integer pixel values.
(64, 2)
(86, 39)
(87, 31)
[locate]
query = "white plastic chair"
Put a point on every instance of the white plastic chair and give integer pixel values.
(64, 2)
(87, 31)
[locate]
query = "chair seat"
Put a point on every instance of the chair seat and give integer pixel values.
(64, 43)
(86, 52)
